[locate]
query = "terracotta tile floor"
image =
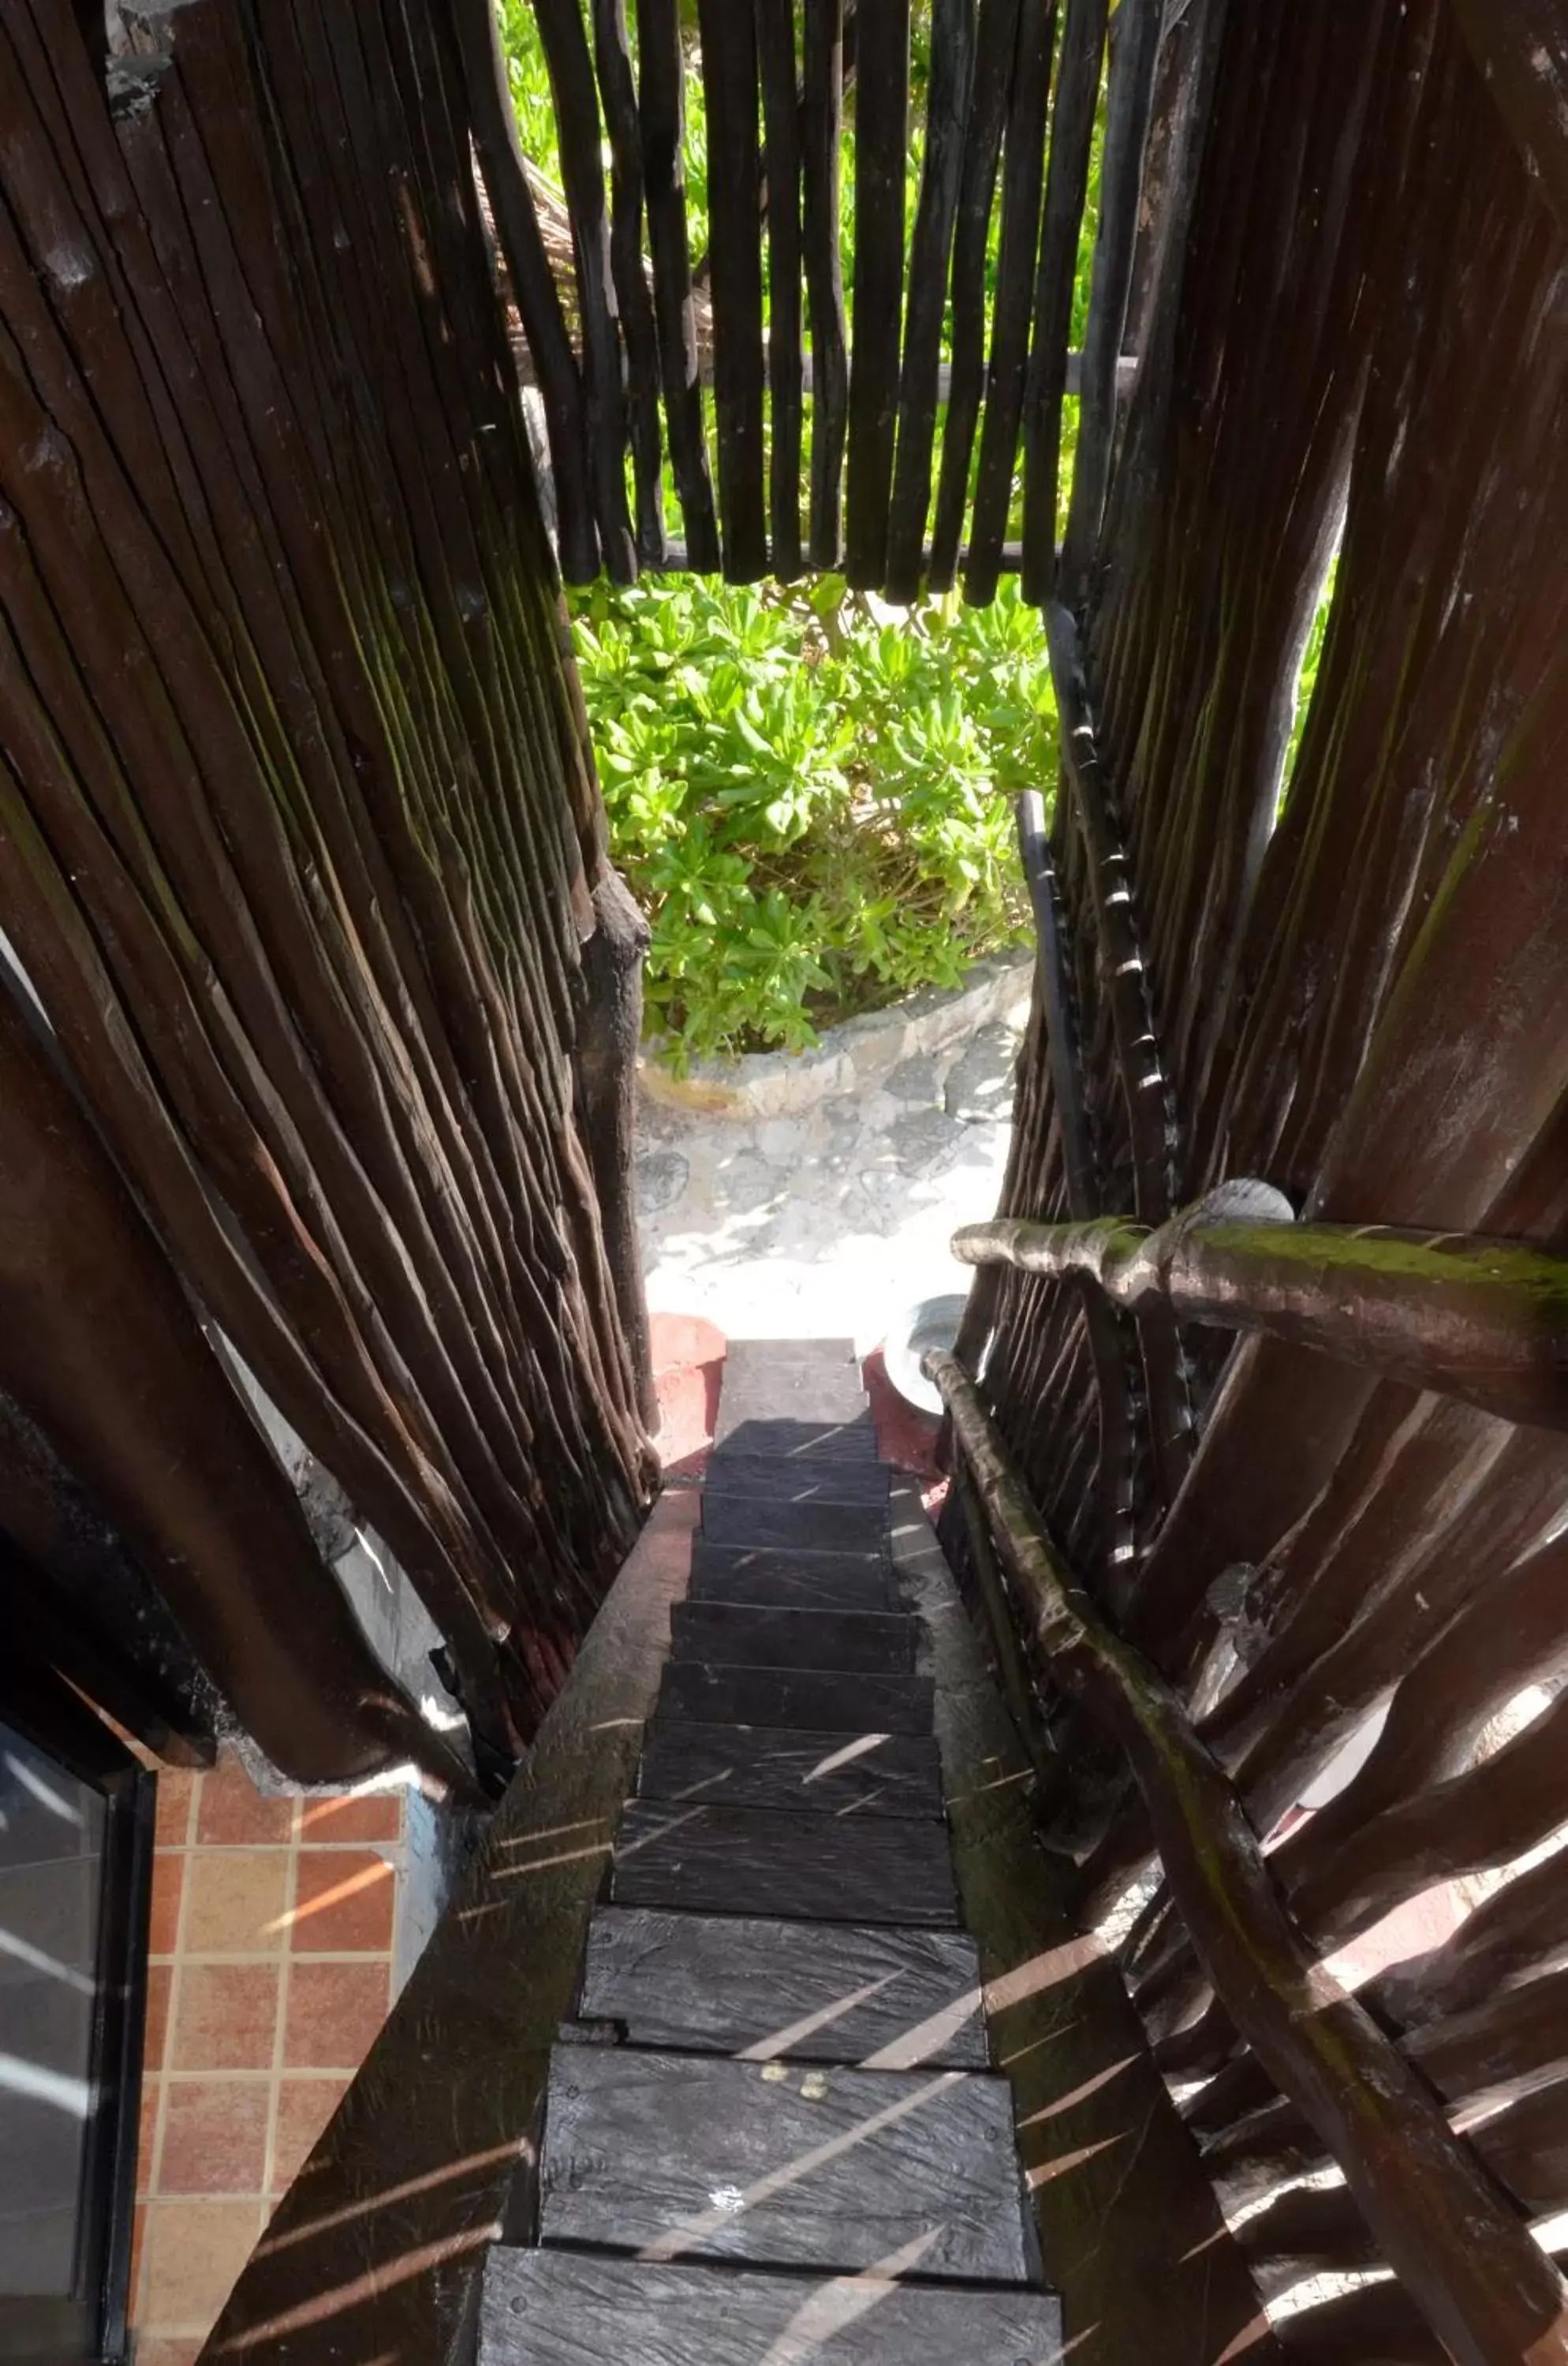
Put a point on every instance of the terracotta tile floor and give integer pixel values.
(272, 1936)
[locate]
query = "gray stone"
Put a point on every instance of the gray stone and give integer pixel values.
(657, 1124)
(745, 1182)
(661, 1176)
(926, 1142)
(915, 1080)
(979, 1083)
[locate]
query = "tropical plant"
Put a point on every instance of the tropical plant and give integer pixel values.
(811, 795)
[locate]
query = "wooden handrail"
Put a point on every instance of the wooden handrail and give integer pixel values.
(1465, 2256)
(1480, 1320)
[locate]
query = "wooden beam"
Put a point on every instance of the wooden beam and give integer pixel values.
(379, 2244)
(1483, 1321)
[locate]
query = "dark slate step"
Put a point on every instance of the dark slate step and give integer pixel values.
(803, 1774)
(808, 1698)
(801, 1478)
(856, 1868)
(749, 1433)
(886, 1999)
(769, 2166)
(799, 1527)
(749, 1635)
(789, 1580)
(552, 2308)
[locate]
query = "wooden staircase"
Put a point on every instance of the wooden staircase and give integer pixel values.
(772, 2132)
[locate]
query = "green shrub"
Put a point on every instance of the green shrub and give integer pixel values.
(811, 804)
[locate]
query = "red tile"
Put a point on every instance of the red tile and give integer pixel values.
(174, 1798)
(156, 2030)
(231, 1813)
(226, 2018)
(334, 2011)
(164, 1922)
(304, 2107)
(342, 1903)
(214, 2136)
(237, 1901)
(362, 1816)
(195, 2252)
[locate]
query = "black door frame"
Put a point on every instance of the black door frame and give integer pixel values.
(93, 2326)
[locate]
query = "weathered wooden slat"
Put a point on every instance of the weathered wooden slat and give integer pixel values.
(1112, 1353)
(1423, 2194)
(882, 136)
(798, 1481)
(500, 152)
(1306, 2231)
(808, 1389)
(1023, 173)
(800, 1527)
(797, 1773)
(995, 41)
(683, 2156)
(662, 111)
(805, 1698)
(1144, 1087)
(1126, 129)
(1522, 52)
(734, 228)
(821, 125)
(1067, 182)
(947, 112)
(781, 156)
(577, 130)
(768, 1355)
(770, 1990)
(790, 1580)
(851, 1440)
(846, 1868)
(543, 2308)
(618, 92)
(752, 1636)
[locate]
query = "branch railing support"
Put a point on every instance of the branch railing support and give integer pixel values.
(1463, 2252)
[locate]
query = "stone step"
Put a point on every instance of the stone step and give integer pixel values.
(711, 1860)
(811, 1699)
(853, 1440)
(552, 2309)
(750, 1635)
(698, 2158)
(885, 1998)
(786, 1581)
(800, 1479)
(798, 1527)
(746, 1358)
(802, 1774)
(830, 1408)
(791, 1395)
